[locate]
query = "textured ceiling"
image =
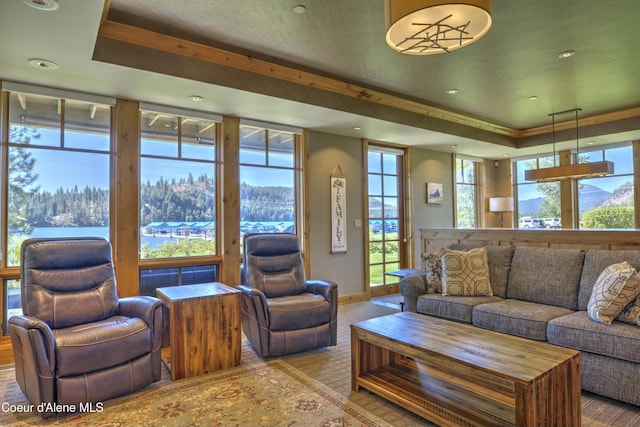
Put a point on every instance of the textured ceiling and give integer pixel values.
(495, 77)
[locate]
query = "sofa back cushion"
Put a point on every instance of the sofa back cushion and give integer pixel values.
(546, 276)
(595, 261)
(499, 258)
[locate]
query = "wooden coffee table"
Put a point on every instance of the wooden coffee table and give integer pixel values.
(202, 329)
(456, 374)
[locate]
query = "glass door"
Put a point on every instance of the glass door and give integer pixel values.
(385, 213)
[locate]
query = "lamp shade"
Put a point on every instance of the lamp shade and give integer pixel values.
(501, 204)
(427, 27)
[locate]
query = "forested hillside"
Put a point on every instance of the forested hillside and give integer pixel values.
(190, 199)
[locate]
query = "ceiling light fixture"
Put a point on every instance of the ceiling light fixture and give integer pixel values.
(196, 98)
(573, 171)
(43, 64)
(427, 27)
(48, 5)
(452, 91)
(299, 9)
(566, 54)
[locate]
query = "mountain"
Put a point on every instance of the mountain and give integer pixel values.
(592, 197)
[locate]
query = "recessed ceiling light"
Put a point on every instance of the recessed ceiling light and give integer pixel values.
(566, 54)
(452, 91)
(48, 5)
(43, 64)
(299, 9)
(533, 98)
(357, 128)
(505, 155)
(196, 98)
(454, 146)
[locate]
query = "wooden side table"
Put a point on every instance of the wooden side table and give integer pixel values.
(201, 328)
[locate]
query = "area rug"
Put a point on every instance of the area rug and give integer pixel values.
(262, 394)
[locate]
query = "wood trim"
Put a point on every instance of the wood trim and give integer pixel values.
(365, 218)
(230, 201)
(409, 236)
(635, 147)
(432, 240)
(303, 209)
(587, 121)
(176, 46)
(126, 208)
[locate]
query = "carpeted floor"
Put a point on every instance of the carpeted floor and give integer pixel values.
(332, 367)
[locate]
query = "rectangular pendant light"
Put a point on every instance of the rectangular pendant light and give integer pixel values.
(580, 170)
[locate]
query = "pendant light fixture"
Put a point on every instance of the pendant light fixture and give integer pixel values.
(573, 171)
(423, 27)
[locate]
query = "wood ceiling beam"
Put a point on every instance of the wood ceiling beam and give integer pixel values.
(586, 121)
(173, 45)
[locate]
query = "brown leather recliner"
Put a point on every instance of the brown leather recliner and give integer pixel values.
(282, 312)
(77, 343)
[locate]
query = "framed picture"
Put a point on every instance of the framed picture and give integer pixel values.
(338, 214)
(434, 192)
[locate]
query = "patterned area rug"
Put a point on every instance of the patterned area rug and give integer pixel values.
(263, 394)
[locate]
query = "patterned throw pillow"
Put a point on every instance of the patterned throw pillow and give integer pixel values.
(432, 265)
(617, 286)
(465, 273)
(631, 313)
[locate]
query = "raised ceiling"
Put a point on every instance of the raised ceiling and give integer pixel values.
(330, 69)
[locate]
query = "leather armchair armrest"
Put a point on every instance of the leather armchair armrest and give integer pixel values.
(148, 309)
(254, 304)
(27, 329)
(411, 287)
(322, 287)
(142, 307)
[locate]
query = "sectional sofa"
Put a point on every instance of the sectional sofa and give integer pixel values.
(542, 294)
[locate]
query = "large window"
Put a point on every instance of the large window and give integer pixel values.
(267, 179)
(177, 185)
(384, 198)
(466, 193)
(604, 202)
(607, 202)
(538, 203)
(58, 179)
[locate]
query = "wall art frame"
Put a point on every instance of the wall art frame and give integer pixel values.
(434, 193)
(338, 214)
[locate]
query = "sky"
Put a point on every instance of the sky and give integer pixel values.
(65, 169)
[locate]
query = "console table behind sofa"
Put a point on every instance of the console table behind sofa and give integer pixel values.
(432, 240)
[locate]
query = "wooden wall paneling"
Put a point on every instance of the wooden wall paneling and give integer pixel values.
(581, 239)
(230, 185)
(125, 215)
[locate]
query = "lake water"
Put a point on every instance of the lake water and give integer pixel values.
(153, 241)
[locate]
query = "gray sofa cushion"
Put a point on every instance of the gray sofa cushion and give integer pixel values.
(499, 258)
(576, 330)
(520, 318)
(451, 307)
(546, 276)
(595, 261)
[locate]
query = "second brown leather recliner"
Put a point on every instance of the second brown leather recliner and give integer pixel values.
(282, 312)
